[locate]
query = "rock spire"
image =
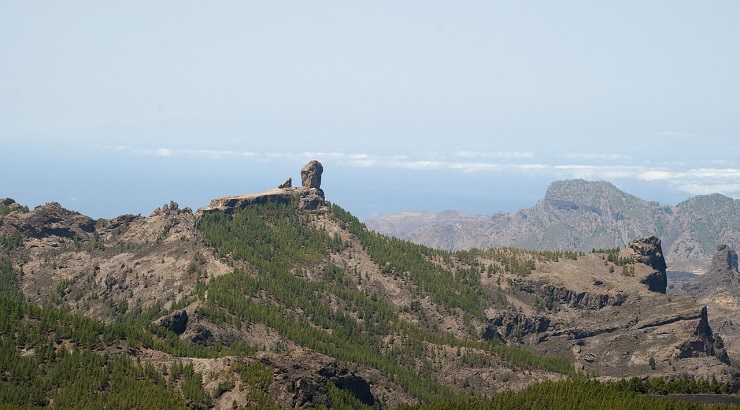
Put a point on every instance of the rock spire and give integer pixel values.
(311, 175)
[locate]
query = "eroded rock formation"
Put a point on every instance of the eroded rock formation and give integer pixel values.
(309, 196)
(311, 175)
(719, 289)
(287, 184)
(725, 260)
(176, 322)
(49, 220)
(648, 251)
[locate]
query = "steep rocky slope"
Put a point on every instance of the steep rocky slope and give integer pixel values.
(581, 215)
(607, 319)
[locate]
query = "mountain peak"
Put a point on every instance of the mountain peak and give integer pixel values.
(582, 191)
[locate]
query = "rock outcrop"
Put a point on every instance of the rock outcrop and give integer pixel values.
(176, 322)
(287, 184)
(508, 325)
(725, 260)
(719, 290)
(648, 251)
(49, 220)
(345, 380)
(9, 202)
(309, 196)
(722, 274)
(308, 374)
(311, 175)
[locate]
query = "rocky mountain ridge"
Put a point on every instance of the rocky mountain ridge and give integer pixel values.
(275, 302)
(580, 215)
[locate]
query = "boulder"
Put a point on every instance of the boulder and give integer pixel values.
(311, 175)
(287, 184)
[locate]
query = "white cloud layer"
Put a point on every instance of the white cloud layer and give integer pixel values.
(591, 166)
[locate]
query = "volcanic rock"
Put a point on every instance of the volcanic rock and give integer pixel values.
(199, 334)
(287, 184)
(647, 251)
(310, 196)
(176, 322)
(49, 220)
(345, 380)
(725, 260)
(719, 290)
(309, 199)
(506, 325)
(722, 275)
(311, 175)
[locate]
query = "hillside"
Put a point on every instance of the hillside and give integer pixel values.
(283, 299)
(579, 215)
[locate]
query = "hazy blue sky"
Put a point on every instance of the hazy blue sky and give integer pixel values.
(119, 107)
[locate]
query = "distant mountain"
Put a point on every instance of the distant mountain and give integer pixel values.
(580, 215)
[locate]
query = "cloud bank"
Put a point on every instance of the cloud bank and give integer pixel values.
(693, 179)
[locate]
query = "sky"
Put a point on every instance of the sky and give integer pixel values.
(119, 107)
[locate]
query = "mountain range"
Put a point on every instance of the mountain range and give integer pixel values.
(283, 299)
(578, 215)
